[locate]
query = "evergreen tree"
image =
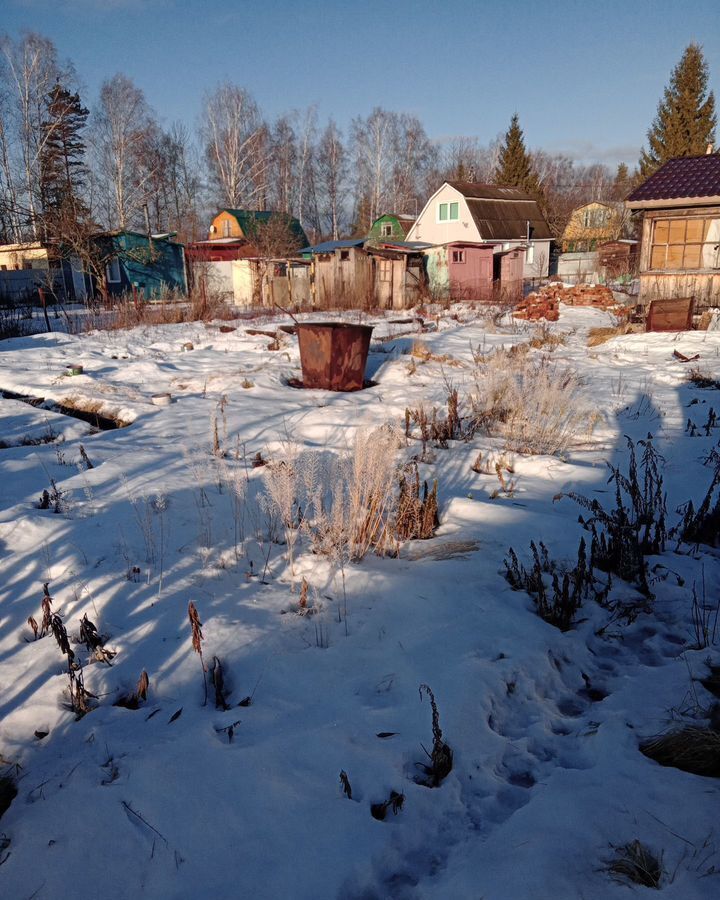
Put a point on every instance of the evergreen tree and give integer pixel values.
(685, 120)
(62, 162)
(515, 168)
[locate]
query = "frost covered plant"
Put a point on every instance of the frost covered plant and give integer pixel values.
(355, 515)
(537, 407)
(159, 505)
(282, 486)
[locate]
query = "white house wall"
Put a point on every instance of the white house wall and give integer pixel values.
(428, 227)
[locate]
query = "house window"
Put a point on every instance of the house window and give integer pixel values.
(596, 218)
(448, 212)
(385, 270)
(112, 271)
(226, 225)
(530, 254)
(344, 255)
(386, 229)
(689, 243)
(458, 256)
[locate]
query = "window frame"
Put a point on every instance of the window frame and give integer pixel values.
(688, 255)
(447, 207)
(458, 257)
(109, 269)
(386, 229)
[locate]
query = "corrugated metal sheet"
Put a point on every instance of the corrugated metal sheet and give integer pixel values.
(479, 191)
(503, 220)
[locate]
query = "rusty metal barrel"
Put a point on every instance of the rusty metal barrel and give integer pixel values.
(333, 355)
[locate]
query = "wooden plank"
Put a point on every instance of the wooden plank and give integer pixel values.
(670, 315)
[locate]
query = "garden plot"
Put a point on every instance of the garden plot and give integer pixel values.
(284, 747)
(24, 425)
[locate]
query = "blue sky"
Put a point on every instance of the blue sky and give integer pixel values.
(584, 77)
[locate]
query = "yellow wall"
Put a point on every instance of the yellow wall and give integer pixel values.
(219, 227)
(14, 256)
(577, 231)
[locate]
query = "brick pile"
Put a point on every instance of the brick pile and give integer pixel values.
(544, 304)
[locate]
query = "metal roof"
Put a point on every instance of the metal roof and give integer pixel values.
(479, 191)
(688, 177)
(247, 219)
(330, 246)
(508, 220)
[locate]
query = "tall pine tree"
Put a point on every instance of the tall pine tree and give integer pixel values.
(62, 163)
(515, 168)
(685, 121)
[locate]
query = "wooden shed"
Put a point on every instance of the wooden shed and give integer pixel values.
(680, 251)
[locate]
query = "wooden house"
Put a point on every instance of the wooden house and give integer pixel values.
(272, 233)
(148, 264)
(391, 227)
(593, 224)
(680, 248)
(469, 212)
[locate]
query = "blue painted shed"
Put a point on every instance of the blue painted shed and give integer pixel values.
(151, 263)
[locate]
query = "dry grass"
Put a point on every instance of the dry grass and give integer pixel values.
(421, 351)
(172, 309)
(544, 338)
(537, 407)
(636, 863)
(597, 336)
(699, 378)
(691, 749)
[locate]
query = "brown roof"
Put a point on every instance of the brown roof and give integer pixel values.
(502, 213)
(689, 177)
(481, 191)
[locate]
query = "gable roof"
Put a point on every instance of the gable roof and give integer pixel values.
(680, 180)
(503, 213)
(247, 219)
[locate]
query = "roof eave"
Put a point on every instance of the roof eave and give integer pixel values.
(672, 202)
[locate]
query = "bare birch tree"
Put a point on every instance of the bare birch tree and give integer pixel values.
(332, 171)
(237, 147)
(31, 69)
(121, 134)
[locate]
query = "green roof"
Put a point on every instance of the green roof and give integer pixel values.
(247, 219)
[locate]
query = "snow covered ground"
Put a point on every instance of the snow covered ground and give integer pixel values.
(180, 800)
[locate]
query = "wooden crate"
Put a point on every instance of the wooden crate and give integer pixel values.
(670, 315)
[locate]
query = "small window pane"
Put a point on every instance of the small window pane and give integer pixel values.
(454, 211)
(674, 256)
(695, 229)
(692, 256)
(443, 212)
(661, 231)
(677, 231)
(658, 258)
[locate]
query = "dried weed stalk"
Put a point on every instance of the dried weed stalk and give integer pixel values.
(441, 758)
(197, 639)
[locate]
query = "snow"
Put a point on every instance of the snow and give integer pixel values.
(127, 803)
